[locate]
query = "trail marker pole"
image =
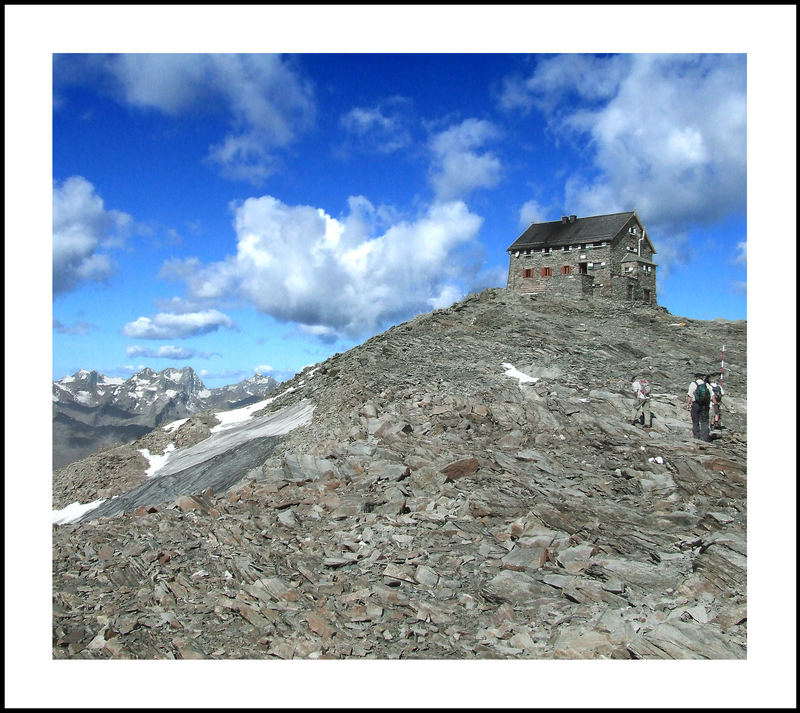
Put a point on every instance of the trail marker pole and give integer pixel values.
(722, 368)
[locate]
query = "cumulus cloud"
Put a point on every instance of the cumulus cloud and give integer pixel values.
(166, 325)
(458, 167)
(532, 211)
(382, 128)
(339, 277)
(82, 231)
(263, 369)
(267, 101)
(665, 134)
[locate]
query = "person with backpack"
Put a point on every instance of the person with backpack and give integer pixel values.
(698, 403)
(717, 392)
(641, 404)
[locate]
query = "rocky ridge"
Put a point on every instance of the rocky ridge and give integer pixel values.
(470, 486)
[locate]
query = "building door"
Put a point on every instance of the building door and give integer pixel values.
(630, 292)
(583, 268)
(647, 295)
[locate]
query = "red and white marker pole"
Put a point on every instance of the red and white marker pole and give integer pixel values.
(722, 368)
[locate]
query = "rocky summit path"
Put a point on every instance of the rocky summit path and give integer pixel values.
(470, 486)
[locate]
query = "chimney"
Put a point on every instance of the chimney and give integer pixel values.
(572, 218)
(564, 219)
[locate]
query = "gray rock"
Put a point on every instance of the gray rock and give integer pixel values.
(344, 540)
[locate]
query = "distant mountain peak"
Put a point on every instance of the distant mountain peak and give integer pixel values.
(94, 410)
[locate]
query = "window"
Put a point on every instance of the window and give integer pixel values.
(527, 272)
(566, 270)
(547, 272)
(582, 268)
(546, 251)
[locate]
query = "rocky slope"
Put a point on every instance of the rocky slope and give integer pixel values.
(92, 411)
(469, 486)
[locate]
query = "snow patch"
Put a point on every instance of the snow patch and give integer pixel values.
(156, 461)
(175, 425)
(512, 373)
(171, 393)
(83, 397)
(272, 424)
(113, 380)
(204, 393)
(73, 512)
(67, 380)
(230, 418)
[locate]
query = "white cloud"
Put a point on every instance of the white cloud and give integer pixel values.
(166, 325)
(741, 255)
(665, 134)
(75, 328)
(588, 77)
(340, 277)
(165, 352)
(268, 102)
(263, 369)
(82, 229)
(533, 211)
(447, 295)
(231, 375)
(382, 128)
(457, 168)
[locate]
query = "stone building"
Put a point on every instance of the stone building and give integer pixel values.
(607, 255)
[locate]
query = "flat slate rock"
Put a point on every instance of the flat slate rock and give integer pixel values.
(421, 503)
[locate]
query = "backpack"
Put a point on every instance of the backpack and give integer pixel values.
(717, 392)
(644, 387)
(702, 394)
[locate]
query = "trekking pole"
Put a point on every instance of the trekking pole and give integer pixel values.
(721, 379)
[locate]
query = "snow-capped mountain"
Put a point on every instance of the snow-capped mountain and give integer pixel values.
(91, 410)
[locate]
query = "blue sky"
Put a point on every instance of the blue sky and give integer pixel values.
(255, 212)
(163, 181)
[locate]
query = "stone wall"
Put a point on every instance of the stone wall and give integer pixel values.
(605, 273)
(596, 259)
(637, 283)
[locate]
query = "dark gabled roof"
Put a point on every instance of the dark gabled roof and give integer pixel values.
(581, 230)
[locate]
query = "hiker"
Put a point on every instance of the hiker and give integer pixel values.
(698, 403)
(641, 404)
(717, 392)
